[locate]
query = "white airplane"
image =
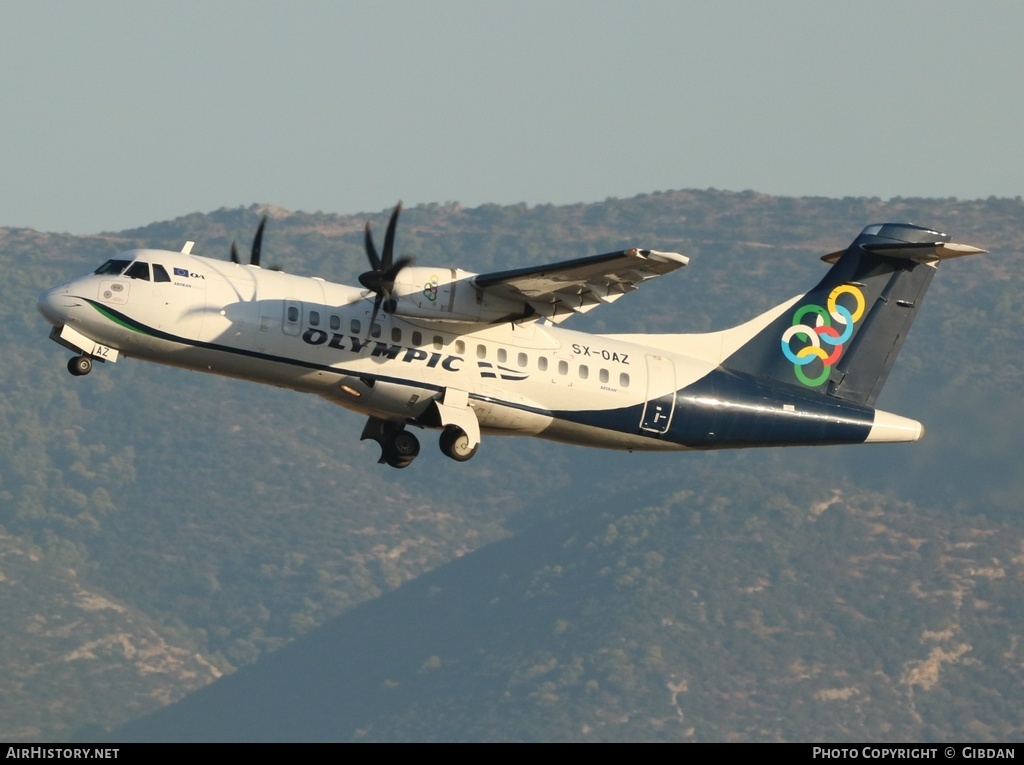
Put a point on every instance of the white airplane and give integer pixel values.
(472, 354)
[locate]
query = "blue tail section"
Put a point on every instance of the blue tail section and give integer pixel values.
(842, 337)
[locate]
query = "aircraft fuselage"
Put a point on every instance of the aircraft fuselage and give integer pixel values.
(524, 378)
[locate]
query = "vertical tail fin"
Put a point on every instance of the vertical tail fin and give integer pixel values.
(842, 337)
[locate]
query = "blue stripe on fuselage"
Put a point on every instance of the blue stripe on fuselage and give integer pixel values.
(726, 410)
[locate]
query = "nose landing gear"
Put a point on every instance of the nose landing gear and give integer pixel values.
(79, 365)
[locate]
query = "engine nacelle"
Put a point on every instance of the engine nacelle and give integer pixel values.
(448, 294)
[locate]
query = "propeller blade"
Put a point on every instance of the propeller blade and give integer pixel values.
(373, 317)
(389, 239)
(389, 276)
(257, 243)
(384, 270)
(234, 252)
(371, 251)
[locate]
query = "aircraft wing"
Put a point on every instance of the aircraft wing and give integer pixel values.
(559, 290)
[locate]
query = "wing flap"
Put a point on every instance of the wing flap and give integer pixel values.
(559, 290)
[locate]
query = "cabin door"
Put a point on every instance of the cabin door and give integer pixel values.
(277, 319)
(661, 395)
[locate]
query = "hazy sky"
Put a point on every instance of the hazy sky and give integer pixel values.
(116, 114)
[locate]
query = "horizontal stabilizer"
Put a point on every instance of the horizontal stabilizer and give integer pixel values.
(922, 253)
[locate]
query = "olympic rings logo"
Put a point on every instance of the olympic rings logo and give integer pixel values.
(832, 329)
(430, 289)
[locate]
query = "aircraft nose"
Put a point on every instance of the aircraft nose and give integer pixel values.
(51, 304)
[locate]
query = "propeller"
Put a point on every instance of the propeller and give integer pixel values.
(257, 246)
(380, 279)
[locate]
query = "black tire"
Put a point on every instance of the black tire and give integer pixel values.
(403, 444)
(454, 443)
(79, 365)
(400, 449)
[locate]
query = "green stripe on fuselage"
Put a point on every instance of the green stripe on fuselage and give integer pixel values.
(118, 319)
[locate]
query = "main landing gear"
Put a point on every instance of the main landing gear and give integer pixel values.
(455, 444)
(79, 365)
(399, 447)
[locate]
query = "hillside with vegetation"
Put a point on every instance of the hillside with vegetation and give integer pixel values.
(676, 622)
(163, 528)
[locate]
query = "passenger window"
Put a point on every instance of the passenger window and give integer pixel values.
(460, 347)
(417, 339)
(314, 318)
(563, 367)
(160, 273)
(542, 363)
(603, 376)
(439, 343)
(523, 360)
(375, 330)
(293, 314)
(624, 380)
(502, 355)
(396, 335)
(138, 270)
(335, 322)
(355, 326)
(584, 372)
(481, 351)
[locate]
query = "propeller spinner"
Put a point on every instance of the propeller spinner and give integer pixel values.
(380, 279)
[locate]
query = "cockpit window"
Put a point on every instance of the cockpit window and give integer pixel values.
(112, 267)
(160, 273)
(138, 270)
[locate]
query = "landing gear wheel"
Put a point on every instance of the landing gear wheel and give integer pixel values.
(455, 444)
(401, 449)
(79, 365)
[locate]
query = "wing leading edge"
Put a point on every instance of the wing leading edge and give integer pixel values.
(559, 290)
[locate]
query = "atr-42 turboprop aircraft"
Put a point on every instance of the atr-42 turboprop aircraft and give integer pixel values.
(471, 354)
